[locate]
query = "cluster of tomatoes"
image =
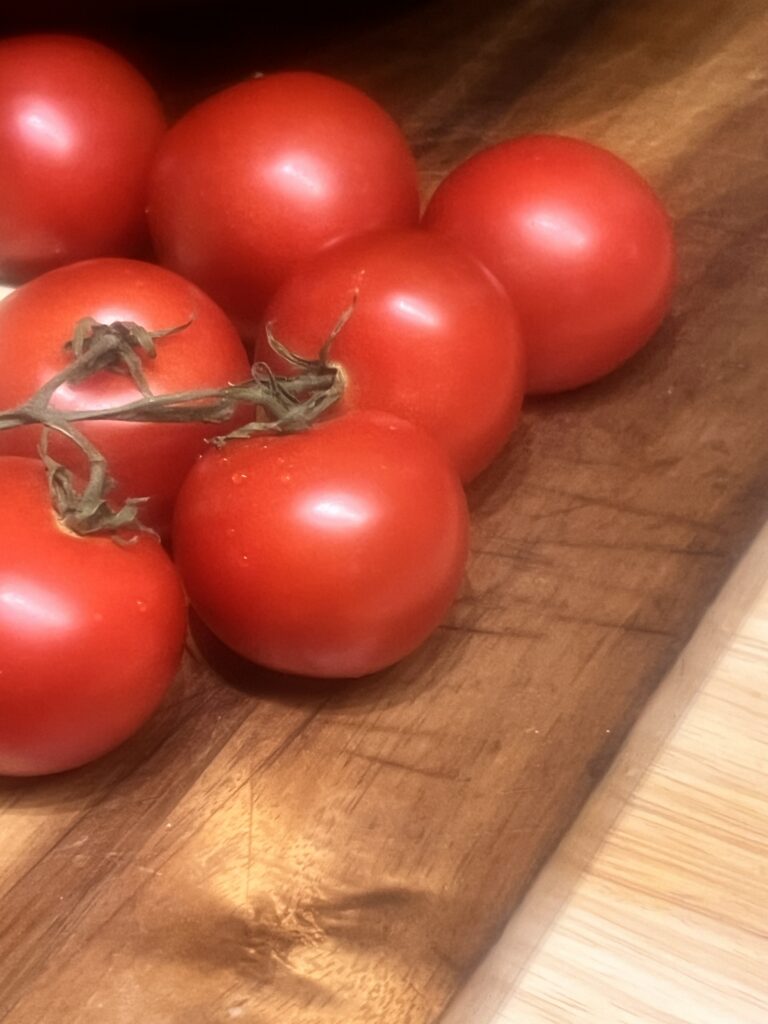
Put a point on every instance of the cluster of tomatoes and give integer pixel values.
(540, 264)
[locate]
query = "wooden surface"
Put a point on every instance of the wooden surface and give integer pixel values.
(670, 924)
(267, 852)
(666, 922)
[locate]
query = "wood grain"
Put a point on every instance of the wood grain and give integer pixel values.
(269, 851)
(727, 656)
(668, 924)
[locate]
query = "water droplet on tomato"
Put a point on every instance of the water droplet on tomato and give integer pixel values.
(243, 558)
(237, 478)
(141, 605)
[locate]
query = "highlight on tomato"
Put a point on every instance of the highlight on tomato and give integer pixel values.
(147, 460)
(432, 337)
(262, 175)
(329, 553)
(79, 126)
(91, 631)
(579, 240)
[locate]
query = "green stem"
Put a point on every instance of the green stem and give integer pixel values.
(291, 403)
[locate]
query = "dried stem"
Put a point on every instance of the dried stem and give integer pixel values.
(291, 404)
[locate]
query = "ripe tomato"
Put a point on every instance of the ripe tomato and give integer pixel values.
(333, 552)
(264, 174)
(91, 632)
(579, 240)
(146, 459)
(78, 128)
(432, 339)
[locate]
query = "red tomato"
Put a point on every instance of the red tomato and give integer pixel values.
(78, 128)
(432, 339)
(333, 552)
(579, 240)
(91, 632)
(262, 175)
(146, 459)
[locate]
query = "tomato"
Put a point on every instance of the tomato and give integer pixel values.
(78, 128)
(91, 632)
(264, 174)
(333, 552)
(432, 339)
(146, 459)
(579, 240)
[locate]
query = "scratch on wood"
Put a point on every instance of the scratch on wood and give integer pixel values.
(516, 634)
(289, 740)
(625, 627)
(595, 501)
(416, 769)
(662, 549)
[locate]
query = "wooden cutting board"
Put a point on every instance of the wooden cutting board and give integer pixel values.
(267, 851)
(654, 907)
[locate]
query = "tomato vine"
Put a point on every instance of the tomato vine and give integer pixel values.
(290, 403)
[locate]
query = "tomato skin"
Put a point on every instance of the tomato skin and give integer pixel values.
(78, 129)
(264, 174)
(330, 553)
(432, 339)
(580, 241)
(91, 632)
(146, 459)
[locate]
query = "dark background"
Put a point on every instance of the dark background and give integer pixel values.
(187, 48)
